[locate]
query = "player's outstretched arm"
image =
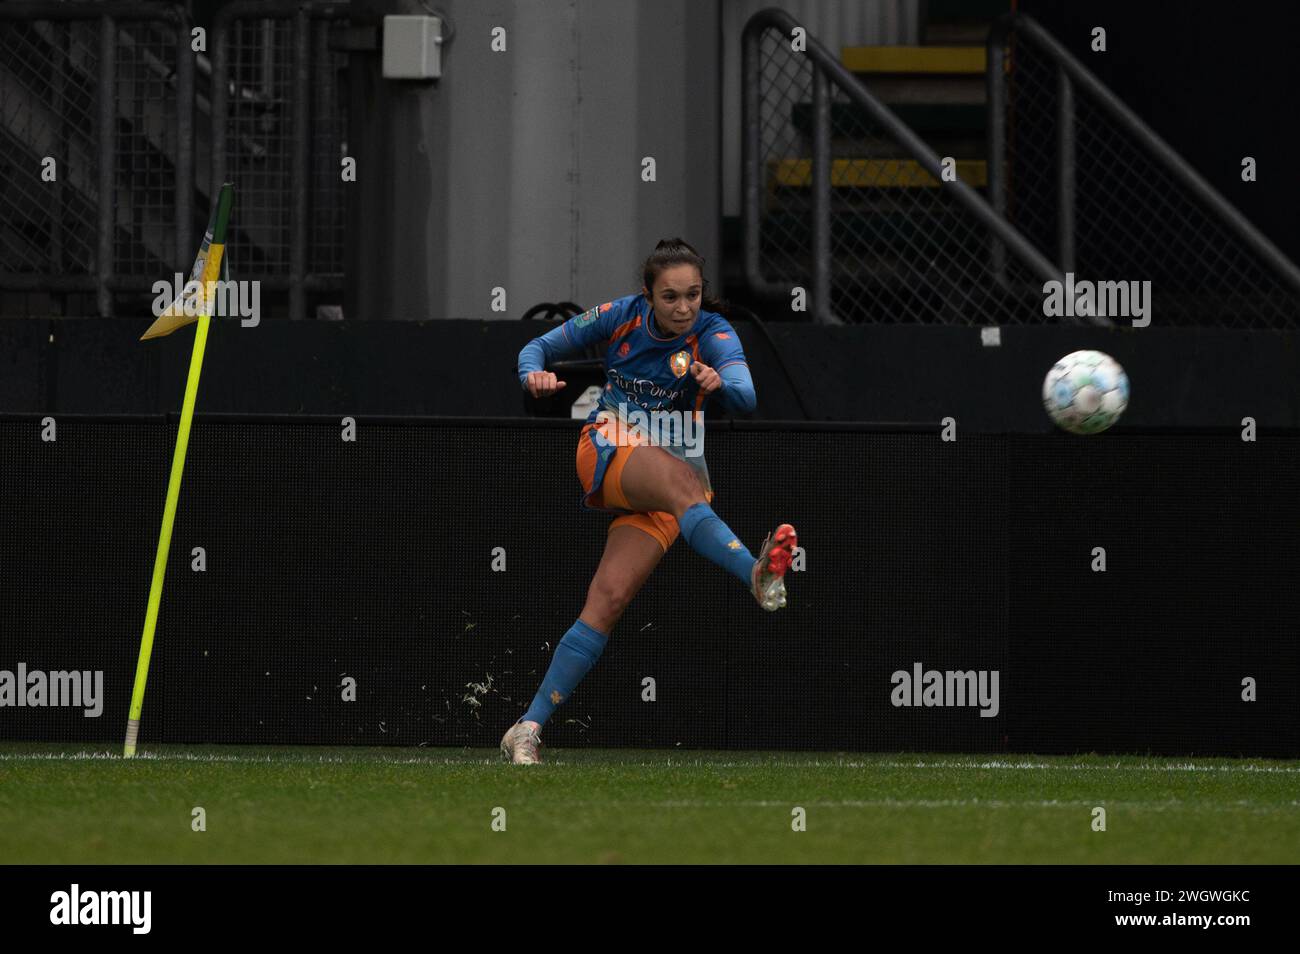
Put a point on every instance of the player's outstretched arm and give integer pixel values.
(533, 376)
(567, 341)
(737, 392)
(721, 350)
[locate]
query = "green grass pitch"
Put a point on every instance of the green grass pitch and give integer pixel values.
(85, 805)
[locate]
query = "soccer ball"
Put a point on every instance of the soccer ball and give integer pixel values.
(1085, 392)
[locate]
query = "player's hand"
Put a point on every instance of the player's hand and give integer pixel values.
(708, 379)
(542, 383)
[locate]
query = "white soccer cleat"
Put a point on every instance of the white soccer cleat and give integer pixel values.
(520, 744)
(774, 558)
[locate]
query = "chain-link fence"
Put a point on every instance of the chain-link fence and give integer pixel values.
(844, 199)
(890, 242)
(48, 78)
(146, 149)
(279, 133)
(1096, 190)
(107, 147)
(96, 151)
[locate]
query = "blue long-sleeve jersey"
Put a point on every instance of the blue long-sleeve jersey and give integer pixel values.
(643, 369)
(647, 373)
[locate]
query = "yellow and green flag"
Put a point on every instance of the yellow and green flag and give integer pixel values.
(208, 267)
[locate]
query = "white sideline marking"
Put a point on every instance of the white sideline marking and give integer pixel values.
(259, 759)
(883, 803)
(1083, 766)
(558, 759)
(1016, 766)
(1112, 804)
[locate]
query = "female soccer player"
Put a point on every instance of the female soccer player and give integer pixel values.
(640, 455)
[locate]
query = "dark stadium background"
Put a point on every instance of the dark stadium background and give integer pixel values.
(372, 559)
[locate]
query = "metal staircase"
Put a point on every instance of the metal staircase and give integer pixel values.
(846, 195)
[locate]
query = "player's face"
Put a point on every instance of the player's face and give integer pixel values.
(676, 298)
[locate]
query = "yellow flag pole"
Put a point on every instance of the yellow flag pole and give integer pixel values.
(165, 537)
(209, 263)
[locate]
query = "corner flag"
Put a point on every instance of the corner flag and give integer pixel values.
(207, 268)
(193, 305)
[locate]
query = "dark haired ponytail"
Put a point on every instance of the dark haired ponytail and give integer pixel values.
(677, 251)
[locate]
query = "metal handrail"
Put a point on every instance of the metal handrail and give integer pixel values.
(1071, 71)
(828, 69)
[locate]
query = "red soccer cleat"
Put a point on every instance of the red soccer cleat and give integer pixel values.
(774, 558)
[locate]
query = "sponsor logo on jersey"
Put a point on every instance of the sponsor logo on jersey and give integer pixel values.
(586, 318)
(680, 363)
(623, 349)
(723, 335)
(655, 395)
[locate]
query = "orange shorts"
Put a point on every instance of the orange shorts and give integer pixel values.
(660, 525)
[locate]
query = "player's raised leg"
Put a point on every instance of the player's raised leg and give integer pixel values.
(654, 479)
(630, 557)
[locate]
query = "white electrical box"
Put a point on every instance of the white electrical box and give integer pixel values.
(412, 48)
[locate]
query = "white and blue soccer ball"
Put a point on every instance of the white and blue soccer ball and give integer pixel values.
(1085, 392)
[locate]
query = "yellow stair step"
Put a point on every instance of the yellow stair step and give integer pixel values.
(914, 59)
(874, 173)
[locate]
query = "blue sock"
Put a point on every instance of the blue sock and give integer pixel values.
(710, 537)
(576, 653)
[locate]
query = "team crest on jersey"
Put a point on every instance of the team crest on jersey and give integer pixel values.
(624, 348)
(680, 363)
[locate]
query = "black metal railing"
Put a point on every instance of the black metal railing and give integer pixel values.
(876, 233)
(1075, 170)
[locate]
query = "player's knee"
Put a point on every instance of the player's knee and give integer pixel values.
(685, 488)
(609, 598)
